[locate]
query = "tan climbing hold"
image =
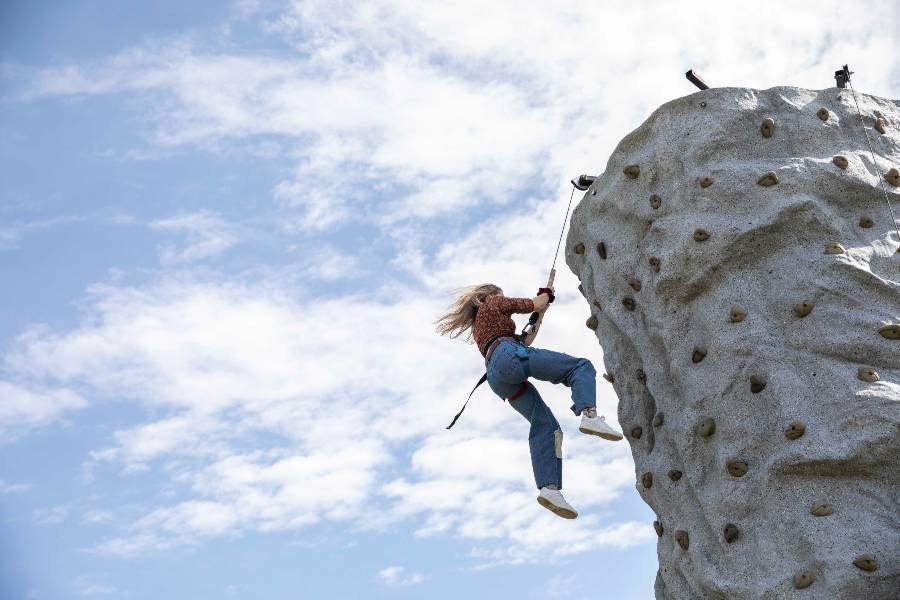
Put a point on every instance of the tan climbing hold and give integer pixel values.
(801, 309)
(767, 127)
(579, 248)
(707, 427)
(675, 474)
(768, 180)
(737, 314)
(592, 322)
(654, 263)
(866, 222)
(641, 376)
(893, 177)
(834, 248)
(682, 538)
(867, 374)
(655, 201)
(841, 161)
(628, 302)
(601, 250)
(658, 419)
(891, 332)
(658, 527)
(736, 467)
(757, 384)
(880, 125)
(705, 181)
(821, 509)
(637, 431)
(609, 378)
(647, 480)
(823, 113)
(803, 579)
(866, 562)
(701, 235)
(731, 532)
(698, 355)
(795, 430)
(634, 283)
(632, 171)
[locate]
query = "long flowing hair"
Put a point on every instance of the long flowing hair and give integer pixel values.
(460, 316)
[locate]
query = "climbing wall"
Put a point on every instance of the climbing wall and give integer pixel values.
(741, 269)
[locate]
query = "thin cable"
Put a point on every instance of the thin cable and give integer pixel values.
(875, 164)
(565, 219)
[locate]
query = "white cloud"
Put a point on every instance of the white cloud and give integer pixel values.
(400, 577)
(24, 407)
(53, 515)
(207, 235)
(13, 488)
(87, 585)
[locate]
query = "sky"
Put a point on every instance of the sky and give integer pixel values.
(226, 230)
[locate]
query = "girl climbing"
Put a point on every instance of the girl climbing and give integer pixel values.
(483, 313)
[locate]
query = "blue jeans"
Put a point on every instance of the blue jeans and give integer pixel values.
(506, 372)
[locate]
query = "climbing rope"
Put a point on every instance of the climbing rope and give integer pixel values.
(565, 219)
(872, 152)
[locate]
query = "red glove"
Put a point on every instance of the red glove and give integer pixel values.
(547, 291)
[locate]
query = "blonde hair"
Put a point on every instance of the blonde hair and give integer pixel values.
(460, 316)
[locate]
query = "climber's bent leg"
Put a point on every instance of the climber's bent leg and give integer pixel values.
(544, 438)
(576, 373)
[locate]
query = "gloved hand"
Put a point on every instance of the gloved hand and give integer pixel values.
(549, 292)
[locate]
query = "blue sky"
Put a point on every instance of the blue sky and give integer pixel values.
(225, 231)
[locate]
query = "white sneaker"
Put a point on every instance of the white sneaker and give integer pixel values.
(554, 501)
(598, 426)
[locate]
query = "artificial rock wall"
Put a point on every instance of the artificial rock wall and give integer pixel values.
(742, 274)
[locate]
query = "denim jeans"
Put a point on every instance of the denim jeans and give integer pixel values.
(506, 372)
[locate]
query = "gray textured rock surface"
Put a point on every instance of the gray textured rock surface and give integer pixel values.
(768, 272)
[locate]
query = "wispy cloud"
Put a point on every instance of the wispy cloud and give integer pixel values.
(207, 235)
(400, 577)
(13, 488)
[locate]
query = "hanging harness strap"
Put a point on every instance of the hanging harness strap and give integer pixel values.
(480, 381)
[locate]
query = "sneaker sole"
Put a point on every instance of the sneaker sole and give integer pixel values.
(565, 513)
(615, 437)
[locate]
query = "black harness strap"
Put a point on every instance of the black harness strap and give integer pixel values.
(480, 381)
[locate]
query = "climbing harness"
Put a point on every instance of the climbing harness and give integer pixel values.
(582, 182)
(843, 77)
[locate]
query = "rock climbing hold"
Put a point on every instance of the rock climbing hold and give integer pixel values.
(737, 314)
(597, 304)
(736, 467)
(893, 177)
(841, 161)
(701, 235)
(795, 430)
(654, 263)
(801, 309)
(703, 104)
(866, 562)
(682, 538)
(655, 201)
(637, 431)
(632, 171)
(768, 180)
(868, 374)
(647, 480)
(821, 509)
(767, 128)
(803, 579)
(658, 527)
(891, 332)
(880, 125)
(674, 474)
(705, 181)
(628, 302)
(579, 248)
(822, 113)
(601, 250)
(658, 419)
(635, 284)
(866, 222)
(757, 384)
(609, 378)
(592, 322)
(698, 355)
(707, 427)
(834, 248)
(641, 376)
(731, 532)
